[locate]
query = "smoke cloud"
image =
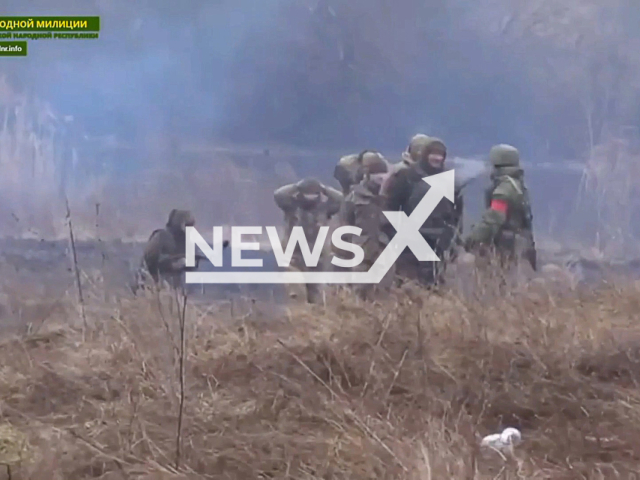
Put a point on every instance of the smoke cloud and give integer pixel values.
(315, 73)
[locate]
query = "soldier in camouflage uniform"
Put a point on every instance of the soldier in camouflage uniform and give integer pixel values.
(349, 167)
(164, 254)
(412, 154)
(308, 204)
(363, 209)
(403, 191)
(506, 226)
(345, 172)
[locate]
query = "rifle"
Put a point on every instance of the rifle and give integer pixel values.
(531, 253)
(199, 256)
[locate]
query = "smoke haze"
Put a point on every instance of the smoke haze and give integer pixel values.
(168, 84)
(323, 74)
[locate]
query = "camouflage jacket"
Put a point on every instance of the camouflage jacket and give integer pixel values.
(508, 210)
(403, 191)
(363, 209)
(309, 219)
(395, 168)
(162, 249)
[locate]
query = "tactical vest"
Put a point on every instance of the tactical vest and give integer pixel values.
(442, 223)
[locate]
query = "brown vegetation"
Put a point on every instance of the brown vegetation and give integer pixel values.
(402, 389)
(31, 160)
(42, 168)
(405, 388)
(610, 189)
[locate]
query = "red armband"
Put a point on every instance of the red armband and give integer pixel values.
(499, 206)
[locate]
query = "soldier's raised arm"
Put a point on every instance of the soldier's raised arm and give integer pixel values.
(344, 171)
(334, 200)
(395, 188)
(285, 197)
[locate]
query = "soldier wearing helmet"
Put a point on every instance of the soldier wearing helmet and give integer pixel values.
(414, 150)
(349, 168)
(412, 155)
(363, 209)
(308, 204)
(425, 156)
(506, 225)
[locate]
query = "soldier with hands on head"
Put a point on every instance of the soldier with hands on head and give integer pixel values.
(414, 150)
(412, 153)
(345, 172)
(310, 205)
(348, 168)
(410, 156)
(363, 209)
(506, 227)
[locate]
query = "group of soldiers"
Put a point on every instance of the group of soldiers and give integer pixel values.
(370, 185)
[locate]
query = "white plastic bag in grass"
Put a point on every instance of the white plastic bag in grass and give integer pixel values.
(503, 441)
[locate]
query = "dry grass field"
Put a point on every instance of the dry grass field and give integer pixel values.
(117, 387)
(403, 388)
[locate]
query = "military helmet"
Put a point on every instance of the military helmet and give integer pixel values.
(416, 146)
(180, 219)
(373, 162)
(504, 155)
(310, 186)
(434, 144)
(349, 161)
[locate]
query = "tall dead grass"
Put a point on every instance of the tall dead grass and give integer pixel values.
(404, 388)
(610, 188)
(34, 157)
(217, 190)
(42, 170)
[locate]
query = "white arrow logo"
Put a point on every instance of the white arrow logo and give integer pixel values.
(407, 235)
